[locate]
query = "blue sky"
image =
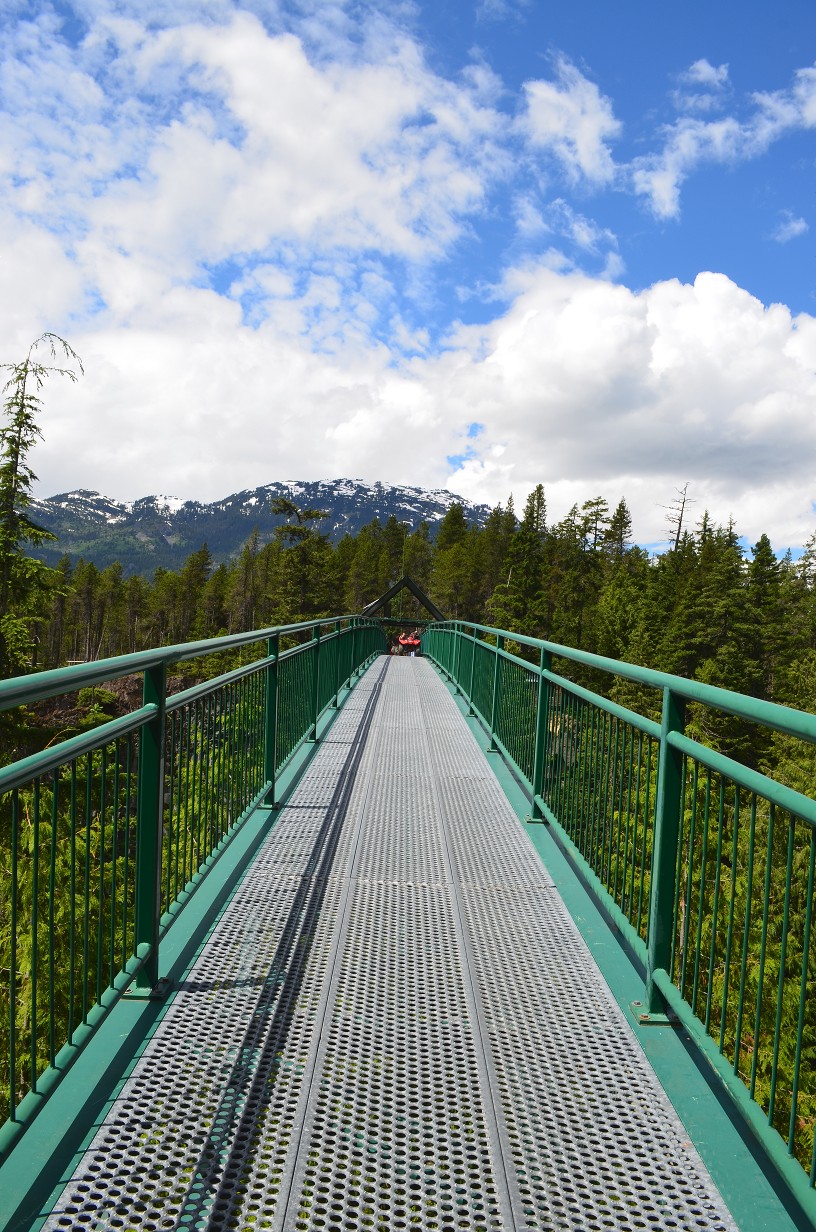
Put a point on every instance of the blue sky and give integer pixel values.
(475, 245)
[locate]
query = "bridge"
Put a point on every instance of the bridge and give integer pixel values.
(332, 939)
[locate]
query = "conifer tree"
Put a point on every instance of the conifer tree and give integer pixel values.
(23, 581)
(492, 547)
(419, 555)
(617, 535)
(453, 528)
(515, 603)
(767, 634)
(363, 577)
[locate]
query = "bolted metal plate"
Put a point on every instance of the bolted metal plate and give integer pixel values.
(395, 1024)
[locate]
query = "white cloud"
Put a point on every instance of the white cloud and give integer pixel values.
(590, 389)
(690, 142)
(590, 244)
(501, 10)
(703, 88)
(701, 73)
(789, 228)
(585, 233)
(222, 216)
(582, 385)
(574, 121)
(211, 139)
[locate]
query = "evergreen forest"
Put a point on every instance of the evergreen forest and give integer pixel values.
(704, 608)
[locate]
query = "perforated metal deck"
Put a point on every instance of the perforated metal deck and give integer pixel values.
(395, 1024)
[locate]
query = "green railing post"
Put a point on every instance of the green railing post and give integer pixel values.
(315, 683)
(457, 655)
(664, 855)
(271, 717)
(542, 732)
(354, 634)
(149, 832)
(337, 643)
(494, 707)
(471, 710)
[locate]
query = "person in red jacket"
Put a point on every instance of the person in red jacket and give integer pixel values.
(410, 642)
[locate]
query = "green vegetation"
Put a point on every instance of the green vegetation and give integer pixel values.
(25, 584)
(702, 609)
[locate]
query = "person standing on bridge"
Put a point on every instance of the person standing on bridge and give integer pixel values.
(409, 642)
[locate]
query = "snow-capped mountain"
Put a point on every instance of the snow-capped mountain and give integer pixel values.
(163, 530)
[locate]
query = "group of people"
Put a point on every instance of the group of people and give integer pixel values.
(406, 643)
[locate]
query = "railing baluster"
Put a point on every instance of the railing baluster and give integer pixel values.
(800, 1022)
(731, 905)
(541, 732)
(315, 654)
(35, 920)
(15, 864)
(763, 947)
(664, 857)
(780, 993)
(52, 879)
(148, 830)
(494, 705)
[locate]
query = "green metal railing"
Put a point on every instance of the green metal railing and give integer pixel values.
(704, 865)
(105, 834)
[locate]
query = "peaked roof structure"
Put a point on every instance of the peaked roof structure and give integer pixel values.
(404, 583)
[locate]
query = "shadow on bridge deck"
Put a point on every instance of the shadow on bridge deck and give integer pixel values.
(393, 1021)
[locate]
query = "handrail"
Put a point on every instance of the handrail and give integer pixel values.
(706, 866)
(769, 714)
(36, 686)
(104, 835)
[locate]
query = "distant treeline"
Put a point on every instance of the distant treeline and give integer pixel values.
(702, 608)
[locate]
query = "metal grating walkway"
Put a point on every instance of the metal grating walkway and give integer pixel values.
(395, 1024)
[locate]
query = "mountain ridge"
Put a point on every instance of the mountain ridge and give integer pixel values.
(161, 531)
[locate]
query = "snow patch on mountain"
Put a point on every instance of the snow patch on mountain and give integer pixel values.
(170, 503)
(163, 530)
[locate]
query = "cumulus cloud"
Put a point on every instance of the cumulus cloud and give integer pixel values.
(585, 386)
(571, 119)
(592, 389)
(223, 216)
